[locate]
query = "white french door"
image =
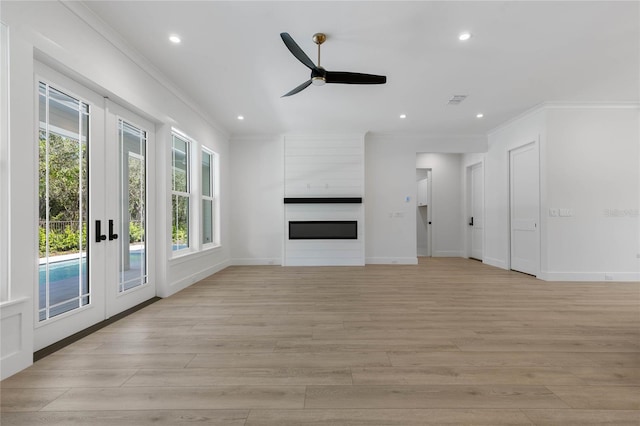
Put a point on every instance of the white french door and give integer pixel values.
(131, 156)
(95, 165)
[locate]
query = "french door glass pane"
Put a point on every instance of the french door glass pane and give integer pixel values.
(63, 203)
(132, 247)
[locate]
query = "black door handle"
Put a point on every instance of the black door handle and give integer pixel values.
(99, 235)
(471, 223)
(112, 236)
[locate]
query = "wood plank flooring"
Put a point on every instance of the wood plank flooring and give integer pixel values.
(448, 341)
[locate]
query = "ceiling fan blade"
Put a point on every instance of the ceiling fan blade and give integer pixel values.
(297, 51)
(298, 89)
(354, 78)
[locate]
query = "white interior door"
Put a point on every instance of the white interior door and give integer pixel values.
(524, 205)
(476, 203)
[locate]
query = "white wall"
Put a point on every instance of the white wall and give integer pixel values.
(390, 176)
(521, 131)
(41, 29)
(257, 192)
(589, 167)
(592, 169)
(447, 200)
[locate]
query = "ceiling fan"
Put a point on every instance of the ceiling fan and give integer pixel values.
(320, 76)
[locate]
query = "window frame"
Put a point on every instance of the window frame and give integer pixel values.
(213, 198)
(189, 142)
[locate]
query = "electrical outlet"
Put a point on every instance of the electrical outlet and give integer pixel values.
(608, 277)
(566, 212)
(554, 212)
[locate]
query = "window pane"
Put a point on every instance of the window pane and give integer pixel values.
(180, 164)
(132, 248)
(206, 174)
(207, 221)
(180, 214)
(63, 203)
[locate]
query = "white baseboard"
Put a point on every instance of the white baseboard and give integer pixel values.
(324, 262)
(16, 347)
(447, 253)
(256, 261)
(391, 261)
(492, 261)
(590, 276)
(195, 277)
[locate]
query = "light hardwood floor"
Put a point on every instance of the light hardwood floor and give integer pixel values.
(448, 341)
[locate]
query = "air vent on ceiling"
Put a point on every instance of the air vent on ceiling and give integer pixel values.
(456, 99)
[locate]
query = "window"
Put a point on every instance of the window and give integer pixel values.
(194, 196)
(208, 198)
(180, 193)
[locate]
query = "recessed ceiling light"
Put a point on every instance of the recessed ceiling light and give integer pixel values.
(464, 36)
(174, 39)
(403, 115)
(241, 117)
(479, 115)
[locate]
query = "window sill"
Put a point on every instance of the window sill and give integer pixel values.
(192, 255)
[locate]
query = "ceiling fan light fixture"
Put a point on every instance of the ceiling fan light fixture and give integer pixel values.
(318, 81)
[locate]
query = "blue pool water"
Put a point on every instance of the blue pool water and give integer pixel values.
(69, 279)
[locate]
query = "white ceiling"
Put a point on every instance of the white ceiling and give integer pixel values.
(232, 61)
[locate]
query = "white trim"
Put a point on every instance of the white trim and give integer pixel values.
(103, 29)
(498, 263)
(17, 351)
(423, 137)
(391, 260)
(248, 261)
(590, 276)
(187, 281)
(563, 105)
(5, 169)
(448, 253)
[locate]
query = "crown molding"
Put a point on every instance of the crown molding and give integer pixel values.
(84, 13)
(564, 105)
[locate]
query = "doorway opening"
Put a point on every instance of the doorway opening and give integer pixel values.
(424, 206)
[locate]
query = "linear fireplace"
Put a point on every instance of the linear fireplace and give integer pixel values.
(323, 230)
